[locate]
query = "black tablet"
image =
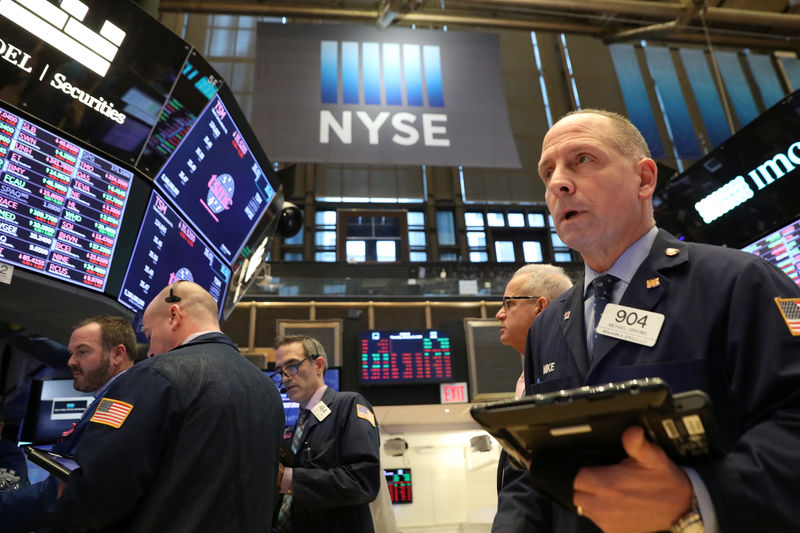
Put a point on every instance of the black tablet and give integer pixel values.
(58, 465)
(563, 431)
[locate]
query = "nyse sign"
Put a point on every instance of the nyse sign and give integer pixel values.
(354, 94)
(401, 128)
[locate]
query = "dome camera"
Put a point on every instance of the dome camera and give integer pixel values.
(290, 220)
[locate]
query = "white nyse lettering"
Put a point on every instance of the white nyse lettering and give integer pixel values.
(399, 123)
(434, 127)
(429, 129)
(344, 130)
(373, 125)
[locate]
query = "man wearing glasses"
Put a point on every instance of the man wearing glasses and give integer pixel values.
(531, 288)
(529, 291)
(333, 470)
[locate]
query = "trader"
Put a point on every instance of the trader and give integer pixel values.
(101, 349)
(722, 332)
(336, 445)
(527, 293)
(185, 441)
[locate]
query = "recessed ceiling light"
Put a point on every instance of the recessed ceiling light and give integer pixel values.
(447, 410)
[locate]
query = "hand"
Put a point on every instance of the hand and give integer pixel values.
(646, 491)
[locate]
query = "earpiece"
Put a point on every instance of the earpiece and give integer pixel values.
(173, 298)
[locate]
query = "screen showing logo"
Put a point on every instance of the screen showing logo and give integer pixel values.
(62, 27)
(357, 94)
(409, 69)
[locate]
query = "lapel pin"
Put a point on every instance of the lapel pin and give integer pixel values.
(652, 283)
(566, 315)
(671, 252)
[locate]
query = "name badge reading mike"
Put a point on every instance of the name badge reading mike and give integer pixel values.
(630, 324)
(320, 411)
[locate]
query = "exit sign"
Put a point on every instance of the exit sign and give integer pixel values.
(453, 392)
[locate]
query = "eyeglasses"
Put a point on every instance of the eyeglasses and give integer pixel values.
(507, 300)
(292, 369)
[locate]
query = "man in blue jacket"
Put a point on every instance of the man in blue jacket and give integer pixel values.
(336, 444)
(722, 332)
(186, 441)
(101, 349)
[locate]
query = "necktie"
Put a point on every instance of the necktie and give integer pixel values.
(602, 287)
(282, 524)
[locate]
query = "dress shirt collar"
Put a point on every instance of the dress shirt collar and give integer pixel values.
(627, 264)
(315, 398)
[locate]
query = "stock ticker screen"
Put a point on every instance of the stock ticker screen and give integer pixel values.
(781, 248)
(166, 250)
(215, 180)
(392, 357)
(399, 483)
(61, 206)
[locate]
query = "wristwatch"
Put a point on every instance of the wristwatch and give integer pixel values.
(691, 522)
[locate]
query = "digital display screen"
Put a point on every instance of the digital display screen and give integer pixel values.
(216, 182)
(399, 482)
(292, 409)
(197, 84)
(743, 189)
(781, 248)
(405, 357)
(53, 407)
(61, 206)
(166, 250)
(98, 70)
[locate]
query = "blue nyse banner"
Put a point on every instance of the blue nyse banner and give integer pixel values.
(356, 94)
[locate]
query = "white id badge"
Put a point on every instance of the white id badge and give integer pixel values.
(630, 324)
(320, 411)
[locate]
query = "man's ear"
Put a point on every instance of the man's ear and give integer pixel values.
(648, 177)
(118, 354)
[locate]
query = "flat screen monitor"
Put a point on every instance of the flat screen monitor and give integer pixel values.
(196, 85)
(411, 356)
(399, 483)
(53, 407)
(167, 249)
(61, 206)
(216, 180)
(743, 189)
(96, 69)
(781, 248)
(292, 409)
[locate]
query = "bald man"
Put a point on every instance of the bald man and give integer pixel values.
(184, 441)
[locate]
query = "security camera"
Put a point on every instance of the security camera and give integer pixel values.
(290, 220)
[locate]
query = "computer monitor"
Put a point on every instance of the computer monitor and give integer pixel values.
(219, 180)
(53, 407)
(167, 250)
(405, 356)
(399, 483)
(61, 205)
(781, 248)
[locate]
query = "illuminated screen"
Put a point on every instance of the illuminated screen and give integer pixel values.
(167, 250)
(781, 248)
(197, 84)
(291, 408)
(53, 407)
(399, 482)
(216, 181)
(60, 206)
(405, 357)
(743, 189)
(98, 70)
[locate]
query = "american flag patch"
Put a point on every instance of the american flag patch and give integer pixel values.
(365, 413)
(790, 310)
(111, 412)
